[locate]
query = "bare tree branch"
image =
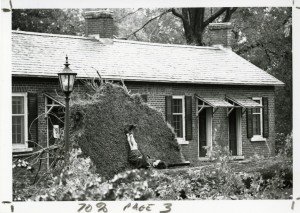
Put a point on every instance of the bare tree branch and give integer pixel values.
(128, 14)
(150, 20)
(214, 16)
(175, 13)
(229, 13)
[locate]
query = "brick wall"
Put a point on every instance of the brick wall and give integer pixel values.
(156, 98)
(220, 34)
(100, 23)
(39, 86)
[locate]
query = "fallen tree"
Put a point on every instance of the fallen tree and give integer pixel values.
(98, 129)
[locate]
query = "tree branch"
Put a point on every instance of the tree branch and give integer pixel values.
(128, 14)
(214, 16)
(174, 12)
(229, 13)
(150, 20)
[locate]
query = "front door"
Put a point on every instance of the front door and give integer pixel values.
(202, 133)
(233, 132)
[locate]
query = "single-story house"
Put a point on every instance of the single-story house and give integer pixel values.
(208, 94)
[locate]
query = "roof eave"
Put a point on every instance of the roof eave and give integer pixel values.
(160, 81)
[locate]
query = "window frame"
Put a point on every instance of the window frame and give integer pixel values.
(181, 140)
(260, 136)
(20, 147)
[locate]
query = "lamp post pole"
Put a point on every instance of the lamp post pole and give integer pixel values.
(66, 80)
(67, 128)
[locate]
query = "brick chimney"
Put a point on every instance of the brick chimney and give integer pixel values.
(99, 24)
(220, 34)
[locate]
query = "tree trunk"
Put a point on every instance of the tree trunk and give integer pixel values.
(194, 22)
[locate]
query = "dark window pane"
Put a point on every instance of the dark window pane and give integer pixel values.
(177, 124)
(18, 129)
(177, 105)
(18, 105)
(256, 125)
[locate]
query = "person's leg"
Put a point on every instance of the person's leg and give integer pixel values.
(129, 140)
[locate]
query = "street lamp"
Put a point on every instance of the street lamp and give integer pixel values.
(66, 80)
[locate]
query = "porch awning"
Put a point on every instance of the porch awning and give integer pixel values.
(243, 102)
(214, 102)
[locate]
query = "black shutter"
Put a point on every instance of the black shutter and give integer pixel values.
(265, 117)
(145, 98)
(249, 123)
(169, 109)
(32, 121)
(188, 118)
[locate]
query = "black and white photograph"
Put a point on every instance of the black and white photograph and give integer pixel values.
(146, 104)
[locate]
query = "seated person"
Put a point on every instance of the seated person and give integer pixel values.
(138, 159)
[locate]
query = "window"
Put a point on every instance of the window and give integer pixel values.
(178, 116)
(257, 118)
(19, 120)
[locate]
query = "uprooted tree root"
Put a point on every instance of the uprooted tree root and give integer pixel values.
(98, 128)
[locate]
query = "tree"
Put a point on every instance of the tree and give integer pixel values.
(265, 39)
(194, 21)
(57, 21)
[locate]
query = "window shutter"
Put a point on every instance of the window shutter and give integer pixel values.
(145, 98)
(169, 109)
(32, 114)
(265, 117)
(249, 123)
(188, 118)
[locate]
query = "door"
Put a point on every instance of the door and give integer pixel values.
(233, 132)
(202, 133)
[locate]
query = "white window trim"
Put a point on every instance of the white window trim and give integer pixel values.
(23, 147)
(239, 133)
(181, 140)
(259, 137)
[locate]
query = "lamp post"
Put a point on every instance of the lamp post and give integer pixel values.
(66, 80)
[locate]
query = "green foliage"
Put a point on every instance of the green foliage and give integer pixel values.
(57, 21)
(286, 144)
(264, 37)
(221, 180)
(79, 181)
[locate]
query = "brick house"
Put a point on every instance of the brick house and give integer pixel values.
(208, 94)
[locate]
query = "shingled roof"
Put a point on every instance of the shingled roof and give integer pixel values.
(43, 55)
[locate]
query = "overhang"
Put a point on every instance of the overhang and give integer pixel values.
(214, 102)
(243, 102)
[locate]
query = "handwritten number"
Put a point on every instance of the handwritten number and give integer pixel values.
(168, 207)
(88, 208)
(101, 207)
(82, 206)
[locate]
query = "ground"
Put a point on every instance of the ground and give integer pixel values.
(253, 179)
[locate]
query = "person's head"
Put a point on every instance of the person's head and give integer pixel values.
(158, 164)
